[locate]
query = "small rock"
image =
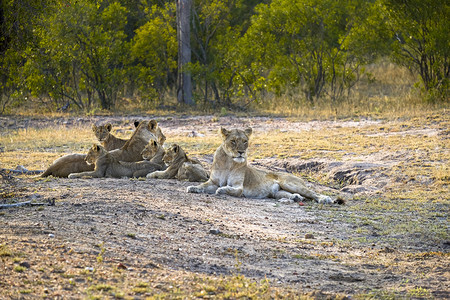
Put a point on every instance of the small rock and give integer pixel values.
(214, 231)
(309, 236)
(21, 169)
(51, 235)
(121, 266)
(90, 269)
(25, 264)
(194, 133)
(301, 204)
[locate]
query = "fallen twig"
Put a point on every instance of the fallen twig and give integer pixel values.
(51, 202)
(23, 171)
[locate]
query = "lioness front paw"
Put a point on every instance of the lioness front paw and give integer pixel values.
(72, 175)
(193, 189)
(222, 190)
(323, 199)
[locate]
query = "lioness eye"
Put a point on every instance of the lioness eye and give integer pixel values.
(233, 143)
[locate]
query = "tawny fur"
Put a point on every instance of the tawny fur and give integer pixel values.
(131, 151)
(231, 175)
(106, 138)
(180, 166)
(70, 163)
(106, 165)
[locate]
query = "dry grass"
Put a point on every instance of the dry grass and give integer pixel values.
(387, 91)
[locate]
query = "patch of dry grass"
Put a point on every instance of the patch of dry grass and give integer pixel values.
(387, 91)
(81, 274)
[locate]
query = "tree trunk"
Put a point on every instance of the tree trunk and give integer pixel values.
(184, 86)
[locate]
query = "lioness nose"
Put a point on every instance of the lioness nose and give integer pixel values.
(241, 152)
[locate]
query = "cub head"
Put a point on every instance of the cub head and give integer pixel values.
(173, 153)
(235, 143)
(101, 132)
(150, 150)
(94, 153)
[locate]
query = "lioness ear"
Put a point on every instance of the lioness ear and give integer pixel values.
(248, 131)
(153, 143)
(162, 139)
(136, 124)
(152, 125)
(98, 147)
(108, 127)
(224, 132)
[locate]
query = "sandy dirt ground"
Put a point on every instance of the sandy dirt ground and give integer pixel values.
(149, 225)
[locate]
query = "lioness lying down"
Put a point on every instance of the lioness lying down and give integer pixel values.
(106, 165)
(180, 167)
(144, 133)
(70, 163)
(231, 175)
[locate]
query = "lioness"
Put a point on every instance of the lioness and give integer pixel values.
(106, 138)
(106, 165)
(180, 166)
(70, 163)
(146, 131)
(231, 175)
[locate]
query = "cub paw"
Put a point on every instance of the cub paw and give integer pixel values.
(71, 176)
(323, 199)
(297, 198)
(152, 175)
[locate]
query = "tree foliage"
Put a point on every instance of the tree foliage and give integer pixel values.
(89, 54)
(421, 32)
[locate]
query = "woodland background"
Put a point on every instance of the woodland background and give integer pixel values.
(280, 55)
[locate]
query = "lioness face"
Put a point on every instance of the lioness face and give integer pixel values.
(150, 150)
(150, 130)
(171, 154)
(94, 153)
(235, 143)
(101, 132)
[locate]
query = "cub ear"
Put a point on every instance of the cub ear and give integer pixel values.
(175, 148)
(136, 124)
(108, 127)
(152, 125)
(154, 144)
(224, 132)
(98, 147)
(248, 131)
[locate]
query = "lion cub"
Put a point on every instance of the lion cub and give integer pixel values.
(106, 165)
(67, 164)
(107, 139)
(231, 175)
(180, 167)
